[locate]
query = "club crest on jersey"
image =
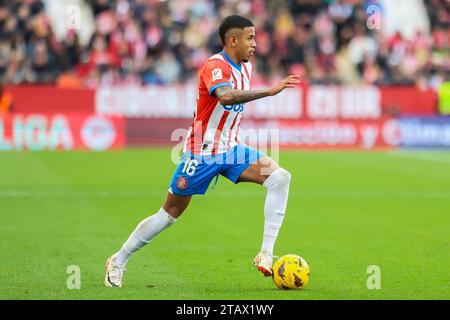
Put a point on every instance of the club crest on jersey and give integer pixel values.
(182, 183)
(217, 74)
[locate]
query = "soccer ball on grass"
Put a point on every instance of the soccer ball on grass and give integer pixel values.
(290, 272)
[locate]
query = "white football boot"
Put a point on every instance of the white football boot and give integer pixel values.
(114, 273)
(264, 262)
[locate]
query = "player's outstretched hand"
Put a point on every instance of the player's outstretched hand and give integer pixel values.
(288, 82)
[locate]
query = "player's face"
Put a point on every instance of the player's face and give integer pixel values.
(247, 44)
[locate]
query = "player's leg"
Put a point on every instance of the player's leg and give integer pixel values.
(259, 171)
(276, 180)
(175, 204)
(146, 230)
(192, 176)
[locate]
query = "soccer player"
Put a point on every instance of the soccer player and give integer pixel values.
(212, 147)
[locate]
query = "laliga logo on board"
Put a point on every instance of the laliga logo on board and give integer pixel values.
(98, 134)
(39, 132)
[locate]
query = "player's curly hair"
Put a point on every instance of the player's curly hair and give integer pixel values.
(231, 22)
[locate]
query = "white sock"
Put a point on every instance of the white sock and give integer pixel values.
(144, 233)
(277, 185)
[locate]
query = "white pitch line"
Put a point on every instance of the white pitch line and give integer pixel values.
(422, 157)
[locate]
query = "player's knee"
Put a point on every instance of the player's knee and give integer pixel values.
(280, 178)
(285, 177)
(174, 211)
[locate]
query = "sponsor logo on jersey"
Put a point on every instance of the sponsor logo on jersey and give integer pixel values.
(235, 107)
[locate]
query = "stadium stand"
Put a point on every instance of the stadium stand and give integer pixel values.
(133, 41)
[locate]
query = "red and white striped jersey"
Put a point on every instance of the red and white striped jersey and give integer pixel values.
(216, 127)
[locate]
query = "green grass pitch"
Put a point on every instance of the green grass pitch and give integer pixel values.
(346, 212)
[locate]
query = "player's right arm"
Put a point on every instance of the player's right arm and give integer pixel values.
(229, 96)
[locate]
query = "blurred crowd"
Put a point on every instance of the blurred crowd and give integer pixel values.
(166, 42)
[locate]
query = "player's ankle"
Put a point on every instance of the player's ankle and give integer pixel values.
(267, 251)
(121, 257)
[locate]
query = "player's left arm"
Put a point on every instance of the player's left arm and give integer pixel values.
(229, 96)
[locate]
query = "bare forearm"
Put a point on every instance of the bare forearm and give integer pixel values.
(231, 96)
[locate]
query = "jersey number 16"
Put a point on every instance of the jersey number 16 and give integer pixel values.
(190, 166)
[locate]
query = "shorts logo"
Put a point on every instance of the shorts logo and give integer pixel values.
(182, 183)
(217, 74)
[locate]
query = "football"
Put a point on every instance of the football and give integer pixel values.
(291, 272)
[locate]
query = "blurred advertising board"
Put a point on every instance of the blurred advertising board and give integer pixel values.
(316, 102)
(405, 132)
(424, 132)
(306, 103)
(178, 102)
(350, 134)
(38, 132)
(366, 117)
(51, 100)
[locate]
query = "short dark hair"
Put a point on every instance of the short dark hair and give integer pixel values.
(231, 22)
